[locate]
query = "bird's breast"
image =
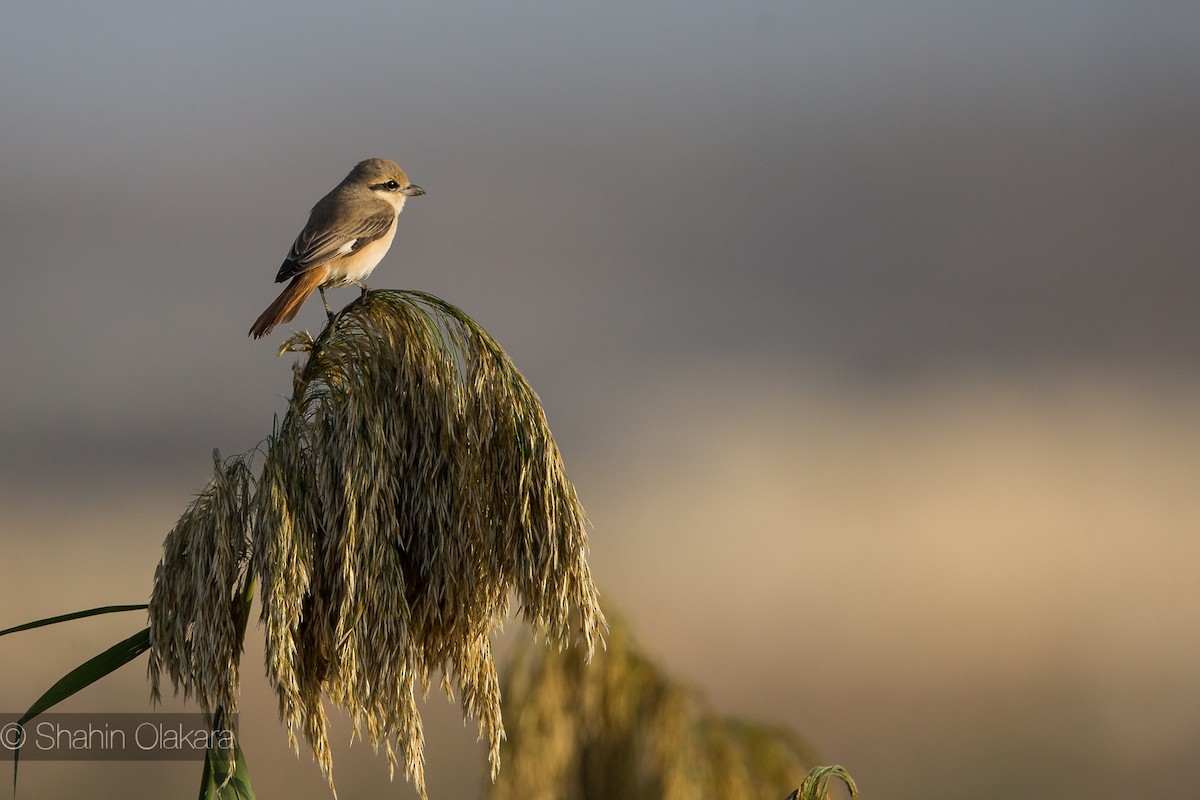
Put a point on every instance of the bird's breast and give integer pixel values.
(357, 265)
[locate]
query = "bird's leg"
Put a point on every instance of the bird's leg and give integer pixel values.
(362, 286)
(328, 310)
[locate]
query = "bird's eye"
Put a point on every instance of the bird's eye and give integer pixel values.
(392, 185)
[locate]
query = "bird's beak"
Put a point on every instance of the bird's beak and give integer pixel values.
(412, 190)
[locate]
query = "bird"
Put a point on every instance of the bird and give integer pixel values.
(349, 231)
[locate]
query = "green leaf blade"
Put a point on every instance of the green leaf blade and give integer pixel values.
(213, 783)
(91, 612)
(83, 676)
(89, 672)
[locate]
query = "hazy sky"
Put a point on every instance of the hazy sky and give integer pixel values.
(876, 187)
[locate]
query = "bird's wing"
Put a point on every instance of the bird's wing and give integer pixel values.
(319, 243)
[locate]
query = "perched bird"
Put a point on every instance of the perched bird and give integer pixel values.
(348, 232)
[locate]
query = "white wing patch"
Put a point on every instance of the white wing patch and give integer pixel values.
(347, 247)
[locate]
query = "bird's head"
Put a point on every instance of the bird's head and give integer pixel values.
(386, 180)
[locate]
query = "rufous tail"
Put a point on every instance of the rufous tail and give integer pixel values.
(288, 303)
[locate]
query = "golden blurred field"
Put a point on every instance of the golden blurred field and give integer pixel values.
(978, 585)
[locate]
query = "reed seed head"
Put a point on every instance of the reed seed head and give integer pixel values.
(412, 487)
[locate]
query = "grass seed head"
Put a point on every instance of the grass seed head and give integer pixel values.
(620, 727)
(197, 619)
(412, 487)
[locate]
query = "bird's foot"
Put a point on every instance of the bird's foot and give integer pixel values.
(328, 311)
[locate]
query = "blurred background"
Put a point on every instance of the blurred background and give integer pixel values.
(868, 332)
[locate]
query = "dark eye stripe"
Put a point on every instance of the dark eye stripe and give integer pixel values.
(389, 185)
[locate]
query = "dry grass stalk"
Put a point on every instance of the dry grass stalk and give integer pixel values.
(621, 728)
(411, 488)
